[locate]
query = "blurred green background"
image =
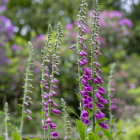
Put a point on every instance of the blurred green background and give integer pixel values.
(24, 20)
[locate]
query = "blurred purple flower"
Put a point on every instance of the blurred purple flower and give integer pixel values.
(15, 47)
(69, 26)
(76, 23)
(38, 41)
(126, 22)
(116, 14)
(91, 13)
(2, 8)
(5, 1)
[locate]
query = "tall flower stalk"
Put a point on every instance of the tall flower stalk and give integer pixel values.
(89, 71)
(27, 100)
(6, 118)
(66, 118)
(49, 68)
(97, 89)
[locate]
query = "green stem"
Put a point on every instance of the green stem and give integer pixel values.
(6, 128)
(23, 104)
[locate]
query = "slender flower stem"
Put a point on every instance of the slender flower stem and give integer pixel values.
(79, 72)
(23, 104)
(27, 86)
(5, 121)
(42, 94)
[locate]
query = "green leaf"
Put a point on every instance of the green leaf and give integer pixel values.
(16, 136)
(81, 129)
(119, 132)
(2, 138)
(78, 96)
(73, 112)
(92, 136)
(2, 113)
(32, 139)
(107, 133)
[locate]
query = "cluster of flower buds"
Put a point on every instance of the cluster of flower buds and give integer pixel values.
(27, 100)
(97, 80)
(49, 82)
(66, 118)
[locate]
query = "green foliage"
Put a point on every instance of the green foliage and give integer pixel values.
(2, 138)
(16, 136)
(92, 136)
(81, 129)
(107, 133)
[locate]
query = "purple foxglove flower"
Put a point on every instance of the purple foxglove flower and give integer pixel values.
(99, 78)
(85, 47)
(85, 101)
(46, 109)
(46, 96)
(86, 121)
(85, 53)
(51, 95)
(44, 80)
(45, 127)
(100, 105)
(85, 61)
(56, 111)
(55, 134)
(85, 114)
(114, 101)
(71, 47)
(55, 105)
(81, 54)
(104, 101)
(30, 118)
(49, 121)
(82, 38)
(101, 81)
(101, 92)
(52, 125)
(54, 93)
(46, 114)
(114, 106)
(98, 52)
(88, 71)
(98, 95)
(97, 64)
(90, 106)
(45, 104)
(82, 63)
(46, 87)
(100, 71)
(95, 81)
(84, 93)
(86, 97)
(105, 126)
(29, 111)
(100, 115)
(88, 77)
(26, 104)
(90, 99)
(54, 80)
(102, 89)
(84, 81)
(50, 101)
(55, 86)
(88, 88)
